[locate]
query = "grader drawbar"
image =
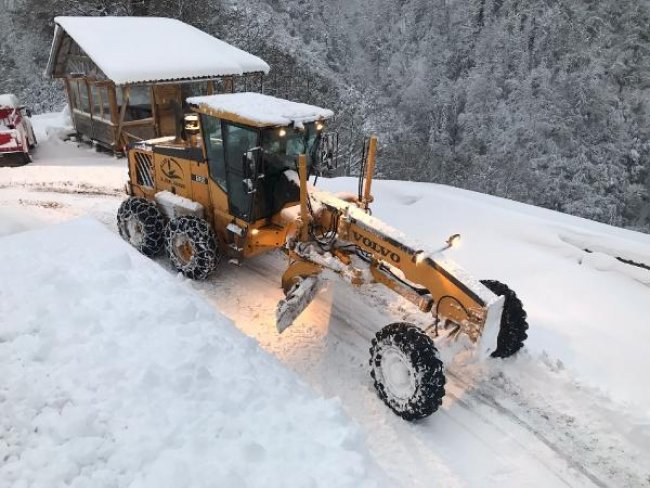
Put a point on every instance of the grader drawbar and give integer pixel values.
(234, 184)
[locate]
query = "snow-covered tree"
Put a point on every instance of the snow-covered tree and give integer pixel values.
(543, 102)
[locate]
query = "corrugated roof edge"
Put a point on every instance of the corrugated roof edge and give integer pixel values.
(181, 80)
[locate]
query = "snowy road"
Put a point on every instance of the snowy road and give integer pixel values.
(491, 430)
(526, 421)
(517, 422)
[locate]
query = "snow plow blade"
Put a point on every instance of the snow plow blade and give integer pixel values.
(298, 299)
(487, 341)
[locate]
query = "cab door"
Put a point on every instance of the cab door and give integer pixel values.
(238, 140)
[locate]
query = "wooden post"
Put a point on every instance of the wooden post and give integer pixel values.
(304, 218)
(370, 171)
(91, 100)
(113, 103)
(154, 110)
(68, 92)
(229, 84)
(125, 102)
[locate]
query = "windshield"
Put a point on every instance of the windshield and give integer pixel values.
(281, 146)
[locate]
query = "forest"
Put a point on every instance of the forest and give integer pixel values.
(541, 101)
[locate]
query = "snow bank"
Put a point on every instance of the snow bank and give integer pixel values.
(116, 374)
(53, 125)
(141, 49)
(263, 110)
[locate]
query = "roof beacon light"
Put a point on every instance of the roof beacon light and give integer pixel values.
(282, 133)
(319, 126)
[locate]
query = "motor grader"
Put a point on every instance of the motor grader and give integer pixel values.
(234, 183)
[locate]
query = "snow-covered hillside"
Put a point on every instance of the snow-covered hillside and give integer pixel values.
(540, 101)
(572, 409)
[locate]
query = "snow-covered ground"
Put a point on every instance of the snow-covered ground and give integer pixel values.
(573, 409)
(114, 373)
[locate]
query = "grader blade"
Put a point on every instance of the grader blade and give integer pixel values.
(297, 300)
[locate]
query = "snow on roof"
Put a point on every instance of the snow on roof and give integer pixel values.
(142, 49)
(261, 110)
(9, 100)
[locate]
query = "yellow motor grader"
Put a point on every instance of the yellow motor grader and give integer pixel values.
(234, 183)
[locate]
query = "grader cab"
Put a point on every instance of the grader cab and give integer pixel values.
(234, 183)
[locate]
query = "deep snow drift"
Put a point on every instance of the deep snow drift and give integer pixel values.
(114, 373)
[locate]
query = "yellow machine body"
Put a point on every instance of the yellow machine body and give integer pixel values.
(427, 279)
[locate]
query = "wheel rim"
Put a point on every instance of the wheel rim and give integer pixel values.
(183, 249)
(398, 374)
(135, 231)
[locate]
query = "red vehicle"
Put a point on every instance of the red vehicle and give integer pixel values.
(16, 132)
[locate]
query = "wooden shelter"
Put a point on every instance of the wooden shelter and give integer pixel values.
(127, 78)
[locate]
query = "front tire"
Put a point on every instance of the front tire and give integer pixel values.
(408, 375)
(192, 247)
(141, 224)
(513, 327)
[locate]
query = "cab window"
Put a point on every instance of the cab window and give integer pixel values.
(213, 137)
(281, 147)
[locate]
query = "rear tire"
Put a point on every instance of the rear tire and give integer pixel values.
(141, 224)
(14, 159)
(192, 247)
(512, 331)
(408, 375)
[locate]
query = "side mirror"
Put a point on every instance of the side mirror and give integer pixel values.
(329, 148)
(250, 168)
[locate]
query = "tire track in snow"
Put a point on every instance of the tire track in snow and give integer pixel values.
(593, 448)
(331, 362)
(505, 412)
(66, 188)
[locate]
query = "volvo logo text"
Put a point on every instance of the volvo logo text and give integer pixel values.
(378, 248)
